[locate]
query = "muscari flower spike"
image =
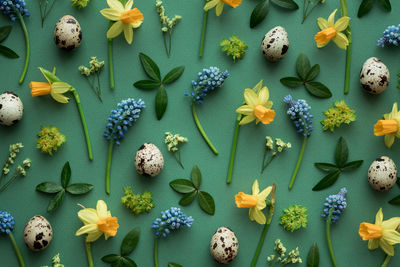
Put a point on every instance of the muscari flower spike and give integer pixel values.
(391, 36)
(171, 220)
(10, 7)
(299, 113)
(6, 222)
(337, 203)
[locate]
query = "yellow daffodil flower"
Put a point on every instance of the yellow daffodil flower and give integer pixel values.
(332, 31)
(257, 106)
(382, 233)
(125, 19)
(256, 202)
(219, 5)
(97, 222)
(389, 127)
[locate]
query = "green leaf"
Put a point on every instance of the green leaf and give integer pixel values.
(398, 181)
(314, 71)
(289, 4)
(110, 258)
(341, 153)
(5, 51)
(4, 32)
(173, 264)
(386, 5)
(365, 7)
(303, 66)
(206, 202)
(291, 81)
(56, 201)
(161, 102)
(187, 198)
(49, 187)
(318, 89)
(65, 174)
(128, 262)
(118, 263)
(49, 75)
(395, 201)
(327, 181)
(352, 165)
(130, 241)
(313, 256)
(150, 67)
(182, 186)
(79, 189)
(259, 13)
(146, 84)
(196, 176)
(326, 166)
(173, 75)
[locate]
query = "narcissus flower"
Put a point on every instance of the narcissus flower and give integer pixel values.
(389, 127)
(219, 5)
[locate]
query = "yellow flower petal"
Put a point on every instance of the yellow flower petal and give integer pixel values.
(258, 216)
(389, 140)
(373, 244)
(219, 8)
(247, 119)
(392, 237)
(128, 33)
(211, 4)
(250, 97)
(386, 247)
(263, 96)
(255, 189)
(93, 236)
(129, 5)
(341, 40)
(379, 217)
(88, 216)
(342, 23)
(245, 110)
(56, 93)
(102, 209)
(136, 24)
(322, 45)
(322, 23)
(111, 14)
(391, 224)
(331, 19)
(87, 229)
(258, 86)
(115, 29)
(60, 87)
(265, 193)
(115, 4)
(269, 104)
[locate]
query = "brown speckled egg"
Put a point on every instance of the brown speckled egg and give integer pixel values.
(374, 76)
(11, 108)
(382, 174)
(149, 160)
(38, 233)
(68, 33)
(224, 245)
(275, 44)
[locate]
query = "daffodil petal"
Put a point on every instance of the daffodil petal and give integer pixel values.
(341, 40)
(87, 229)
(322, 45)
(102, 209)
(373, 244)
(136, 24)
(331, 19)
(386, 247)
(265, 193)
(115, 30)
(379, 217)
(245, 110)
(342, 23)
(93, 237)
(211, 4)
(259, 217)
(247, 119)
(115, 4)
(392, 237)
(219, 8)
(263, 96)
(250, 97)
(111, 14)
(322, 23)
(389, 140)
(255, 189)
(59, 97)
(88, 216)
(269, 104)
(258, 86)
(129, 5)
(60, 87)
(391, 224)
(128, 33)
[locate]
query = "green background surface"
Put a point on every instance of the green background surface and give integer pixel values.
(190, 247)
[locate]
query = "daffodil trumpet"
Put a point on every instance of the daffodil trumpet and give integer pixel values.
(389, 126)
(344, 10)
(56, 88)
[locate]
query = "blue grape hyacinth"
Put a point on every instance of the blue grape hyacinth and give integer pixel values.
(171, 219)
(10, 7)
(391, 36)
(6, 222)
(337, 203)
(299, 113)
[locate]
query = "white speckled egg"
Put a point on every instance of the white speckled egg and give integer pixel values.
(68, 33)
(374, 76)
(382, 174)
(224, 245)
(275, 44)
(149, 160)
(38, 233)
(11, 108)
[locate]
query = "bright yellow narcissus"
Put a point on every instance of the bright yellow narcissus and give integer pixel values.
(389, 127)
(219, 5)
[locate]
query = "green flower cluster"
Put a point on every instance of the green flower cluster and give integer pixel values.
(137, 203)
(337, 115)
(173, 141)
(80, 3)
(94, 66)
(269, 146)
(56, 261)
(166, 23)
(294, 218)
(14, 150)
(26, 164)
(50, 139)
(280, 255)
(234, 47)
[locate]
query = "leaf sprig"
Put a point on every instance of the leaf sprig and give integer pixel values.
(59, 190)
(366, 6)
(334, 170)
(4, 50)
(306, 75)
(261, 10)
(313, 256)
(190, 188)
(153, 72)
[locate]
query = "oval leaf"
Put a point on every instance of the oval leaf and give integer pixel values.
(150, 67)
(118, 263)
(187, 198)
(4, 32)
(313, 256)
(326, 166)
(79, 189)
(206, 202)
(259, 13)
(130, 241)
(386, 5)
(365, 7)
(128, 262)
(352, 165)
(291, 81)
(318, 89)
(173, 264)
(289, 4)
(327, 181)
(161, 102)
(173, 75)
(303, 66)
(341, 153)
(49, 187)
(5, 51)
(313, 73)
(182, 186)
(110, 258)
(146, 84)
(56, 201)
(395, 201)
(196, 176)
(65, 174)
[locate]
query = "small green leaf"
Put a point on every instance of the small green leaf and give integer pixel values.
(291, 81)
(173, 75)
(161, 102)
(130, 241)
(65, 174)
(150, 67)
(128, 262)
(196, 176)
(146, 84)
(206, 202)
(313, 73)
(56, 201)
(318, 89)
(5, 51)
(288, 4)
(4, 32)
(303, 66)
(187, 198)
(326, 166)
(395, 201)
(173, 264)
(365, 7)
(352, 165)
(49, 187)
(327, 181)
(341, 153)
(259, 13)
(313, 256)
(118, 263)
(182, 186)
(110, 258)
(79, 189)
(49, 75)
(386, 5)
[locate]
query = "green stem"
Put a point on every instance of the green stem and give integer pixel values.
(98, 86)
(156, 252)
(89, 254)
(233, 151)
(386, 262)
(303, 147)
(311, 10)
(345, 12)
(28, 49)
(203, 32)
(196, 120)
(177, 156)
(12, 179)
(17, 251)
(78, 103)
(328, 237)
(108, 170)
(170, 42)
(110, 61)
(267, 163)
(165, 44)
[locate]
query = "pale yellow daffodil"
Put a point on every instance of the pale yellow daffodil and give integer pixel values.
(219, 5)
(383, 233)
(125, 19)
(389, 127)
(331, 30)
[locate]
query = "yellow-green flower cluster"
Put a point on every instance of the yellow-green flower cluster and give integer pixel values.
(173, 141)
(137, 203)
(279, 143)
(56, 261)
(294, 218)
(337, 115)
(26, 164)
(234, 47)
(14, 150)
(80, 3)
(50, 139)
(94, 66)
(280, 250)
(166, 23)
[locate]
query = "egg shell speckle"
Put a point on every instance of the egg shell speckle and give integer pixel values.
(68, 33)
(374, 76)
(382, 174)
(11, 108)
(275, 44)
(149, 160)
(38, 233)
(224, 245)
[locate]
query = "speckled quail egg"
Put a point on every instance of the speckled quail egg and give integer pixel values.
(38, 233)
(149, 160)
(11, 108)
(275, 44)
(68, 33)
(374, 76)
(224, 245)
(382, 174)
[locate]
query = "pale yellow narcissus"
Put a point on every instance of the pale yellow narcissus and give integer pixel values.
(389, 127)
(219, 5)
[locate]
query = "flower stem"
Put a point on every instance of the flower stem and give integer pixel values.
(165, 44)
(110, 61)
(196, 120)
(78, 103)
(89, 254)
(306, 14)
(12, 179)
(328, 237)
(203, 33)
(170, 42)
(386, 262)
(268, 162)
(233, 151)
(17, 251)
(28, 49)
(303, 147)
(178, 158)
(108, 170)
(156, 252)
(345, 12)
